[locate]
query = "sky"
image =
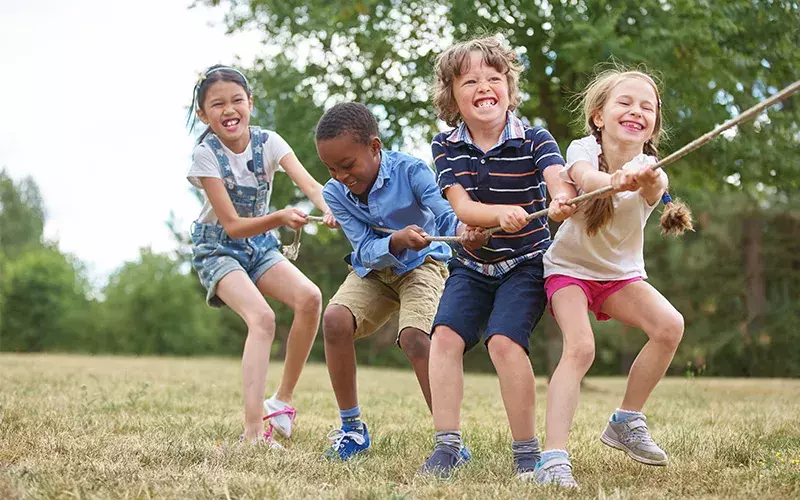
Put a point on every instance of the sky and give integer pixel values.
(94, 96)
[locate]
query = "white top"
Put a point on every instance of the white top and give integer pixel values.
(204, 164)
(616, 251)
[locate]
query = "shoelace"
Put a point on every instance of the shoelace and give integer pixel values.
(640, 435)
(286, 411)
(337, 436)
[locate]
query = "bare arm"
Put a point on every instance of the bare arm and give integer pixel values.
(510, 217)
(560, 191)
(245, 227)
(307, 184)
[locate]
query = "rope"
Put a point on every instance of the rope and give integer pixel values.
(292, 250)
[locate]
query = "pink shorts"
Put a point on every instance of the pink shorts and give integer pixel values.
(596, 291)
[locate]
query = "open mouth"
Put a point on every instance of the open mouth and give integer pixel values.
(632, 126)
(485, 103)
(230, 123)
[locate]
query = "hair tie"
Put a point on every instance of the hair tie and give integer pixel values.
(666, 198)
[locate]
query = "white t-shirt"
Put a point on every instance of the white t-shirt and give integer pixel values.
(204, 164)
(616, 252)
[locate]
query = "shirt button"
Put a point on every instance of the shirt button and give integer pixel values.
(483, 161)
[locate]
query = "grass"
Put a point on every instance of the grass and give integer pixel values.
(121, 427)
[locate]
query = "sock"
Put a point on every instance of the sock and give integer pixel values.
(548, 454)
(351, 419)
(528, 447)
(450, 439)
(622, 415)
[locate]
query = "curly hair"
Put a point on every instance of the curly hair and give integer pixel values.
(454, 62)
(347, 118)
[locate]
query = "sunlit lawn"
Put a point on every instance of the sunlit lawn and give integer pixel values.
(89, 427)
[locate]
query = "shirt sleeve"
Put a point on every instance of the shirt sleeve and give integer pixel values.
(275, 149)
(427, 193)
(203, 165)
(585, 149)
(546, 152)
(444, 172)
(372, 250)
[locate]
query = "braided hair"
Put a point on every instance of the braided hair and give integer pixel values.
(599, 212)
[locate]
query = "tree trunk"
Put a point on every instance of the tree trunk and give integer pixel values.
(755, 300)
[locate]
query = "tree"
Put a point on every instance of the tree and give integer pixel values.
(21, 215)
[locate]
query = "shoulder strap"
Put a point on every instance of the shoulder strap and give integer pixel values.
(212, 141)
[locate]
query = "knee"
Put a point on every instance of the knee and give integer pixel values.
(669, 331)
(308, 300)
(503, 350)
(338, 324)
(261, 322)
(415, 344)
(580, 354)
(448, 341)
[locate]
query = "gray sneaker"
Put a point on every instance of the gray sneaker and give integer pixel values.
(556, 471)
(632, 437)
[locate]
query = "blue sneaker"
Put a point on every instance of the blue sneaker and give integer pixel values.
(444, 460)
(345, 443)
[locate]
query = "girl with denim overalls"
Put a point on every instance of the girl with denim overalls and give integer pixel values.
(234, 251)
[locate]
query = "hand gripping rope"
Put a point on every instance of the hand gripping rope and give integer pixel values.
(292, 251)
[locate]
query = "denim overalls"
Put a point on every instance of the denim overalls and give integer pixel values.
(214, 253)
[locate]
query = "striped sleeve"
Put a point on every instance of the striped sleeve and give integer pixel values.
(545, 150)
(445, 177)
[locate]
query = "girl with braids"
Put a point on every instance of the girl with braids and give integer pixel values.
(234, 251)
(596, 264)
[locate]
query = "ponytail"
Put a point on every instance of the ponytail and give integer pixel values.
(598, 212)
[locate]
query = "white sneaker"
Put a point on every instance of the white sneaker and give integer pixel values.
(281, 415)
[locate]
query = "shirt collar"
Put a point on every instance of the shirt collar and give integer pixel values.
(514, 129)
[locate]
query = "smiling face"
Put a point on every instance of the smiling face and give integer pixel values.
(630, 113)
(351, 162)
(226, 109)
(481, 93)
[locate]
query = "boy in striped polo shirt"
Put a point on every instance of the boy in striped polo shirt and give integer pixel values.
(494, 171)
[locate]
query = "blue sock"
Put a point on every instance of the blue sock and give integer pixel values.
(548, 454)
(351, 419)
(623, 415)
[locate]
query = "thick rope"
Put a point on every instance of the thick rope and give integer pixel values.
(292, 250)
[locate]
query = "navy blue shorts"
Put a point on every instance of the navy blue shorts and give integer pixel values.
(511, 305)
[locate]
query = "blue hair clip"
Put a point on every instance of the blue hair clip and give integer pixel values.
(666, 198)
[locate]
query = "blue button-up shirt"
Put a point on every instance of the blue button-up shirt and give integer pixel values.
(404, 193)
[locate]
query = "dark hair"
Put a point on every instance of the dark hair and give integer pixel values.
(214, 74)
(348, 118)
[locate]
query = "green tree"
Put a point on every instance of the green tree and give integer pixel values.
(44, 303)
(152, 306)
(21, 215)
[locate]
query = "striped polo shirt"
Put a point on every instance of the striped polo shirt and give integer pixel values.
(510, 173)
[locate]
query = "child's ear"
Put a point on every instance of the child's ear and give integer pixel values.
(250, 99)
(597, 118)
(376, 145)
(201, 114)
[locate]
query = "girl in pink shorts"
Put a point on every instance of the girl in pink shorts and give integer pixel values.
(596, 264)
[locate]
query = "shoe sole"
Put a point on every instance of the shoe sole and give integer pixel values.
(613, 443)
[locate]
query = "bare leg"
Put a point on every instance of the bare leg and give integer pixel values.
(339, 328)
(641, 306)
(446, 370)
(571, 310)
(516, 385)
(417, 346)
(239, 293)
(287, 284)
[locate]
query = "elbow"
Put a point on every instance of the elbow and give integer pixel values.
(232, 229)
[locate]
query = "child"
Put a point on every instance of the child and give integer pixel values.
(492, 169)
(596, 264)
(372, 187)
(235, 254)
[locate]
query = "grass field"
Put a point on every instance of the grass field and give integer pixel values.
(97, 427)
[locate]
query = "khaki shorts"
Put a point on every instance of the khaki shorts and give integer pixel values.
(374, 298)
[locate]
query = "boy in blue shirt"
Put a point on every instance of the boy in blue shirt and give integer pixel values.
(492, 169)
(373, 188)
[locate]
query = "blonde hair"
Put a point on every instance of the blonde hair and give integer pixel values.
(454, 62)
(676, 217)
